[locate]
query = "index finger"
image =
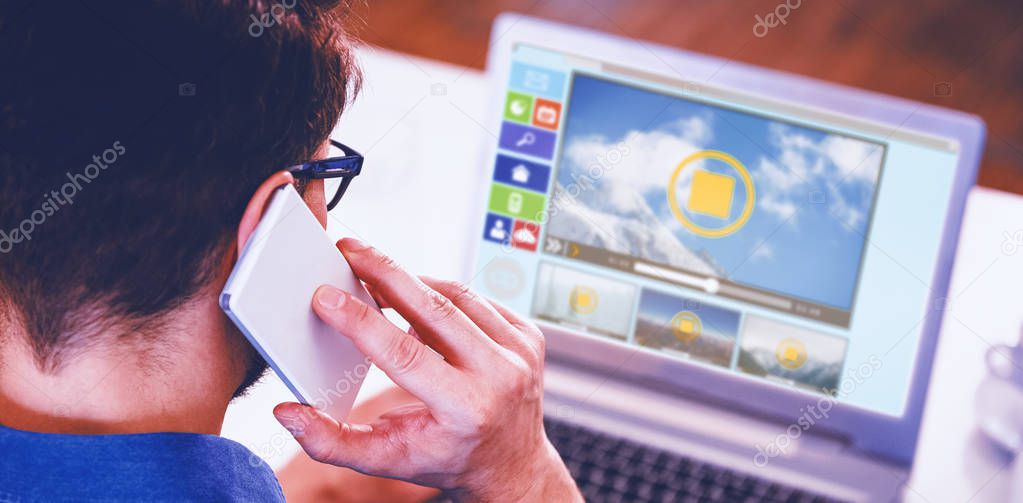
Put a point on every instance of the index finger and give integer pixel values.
(436, 319)
(408, 362)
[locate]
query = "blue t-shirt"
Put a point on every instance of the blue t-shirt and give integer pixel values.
(147, 467)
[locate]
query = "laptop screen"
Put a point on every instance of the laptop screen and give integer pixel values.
(783, 243)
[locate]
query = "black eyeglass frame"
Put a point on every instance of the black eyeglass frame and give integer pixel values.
(345, 167)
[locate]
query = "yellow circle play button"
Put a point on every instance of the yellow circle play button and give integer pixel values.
(583, 300)
(711, 194)
(791, 353)
(686, 326)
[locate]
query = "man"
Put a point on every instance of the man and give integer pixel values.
(138, 146)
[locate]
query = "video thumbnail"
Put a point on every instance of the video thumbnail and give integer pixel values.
(584, 301)
(793, 355)
(679, 325)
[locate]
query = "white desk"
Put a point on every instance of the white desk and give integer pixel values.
(420, 125)
(953, 461)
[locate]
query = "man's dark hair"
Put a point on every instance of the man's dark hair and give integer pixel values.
(131, 139)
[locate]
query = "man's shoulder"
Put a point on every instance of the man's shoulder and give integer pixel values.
(171, 466)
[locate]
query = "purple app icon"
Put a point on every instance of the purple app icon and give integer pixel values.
(527, 140)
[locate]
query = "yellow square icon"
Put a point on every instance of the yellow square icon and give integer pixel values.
(791, 354)
(583, 300)
(686, 326)
(711, 194)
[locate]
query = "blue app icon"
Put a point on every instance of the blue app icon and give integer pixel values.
(522, 173)
(527, 140)
(497, 229)
(538, 81)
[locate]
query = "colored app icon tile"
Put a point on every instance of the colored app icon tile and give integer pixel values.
(525, 235)
(527, 140)
(546, 113)
(516, 202)
(536, 80)
(518, 107)
(522, 173)
(711, 194)
(497, 229)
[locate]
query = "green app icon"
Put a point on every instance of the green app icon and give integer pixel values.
(517, 203)
(518, 107)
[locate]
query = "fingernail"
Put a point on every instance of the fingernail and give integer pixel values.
(289, 419)
(330, 297)
(353, 244)
(288, 411)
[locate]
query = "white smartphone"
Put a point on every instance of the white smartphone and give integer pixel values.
(269, 296)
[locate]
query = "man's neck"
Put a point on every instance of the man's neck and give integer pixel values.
(181, 382)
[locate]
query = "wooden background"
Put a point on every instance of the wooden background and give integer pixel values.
(901, 47)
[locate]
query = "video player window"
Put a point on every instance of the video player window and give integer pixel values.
(730, 203)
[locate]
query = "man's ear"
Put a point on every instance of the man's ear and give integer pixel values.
(313, 197)
(254, 210)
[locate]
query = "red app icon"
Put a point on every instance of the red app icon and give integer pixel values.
(546, 113)
(525, 235)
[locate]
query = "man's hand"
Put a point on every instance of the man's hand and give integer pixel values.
(476, 366)
(305, 480)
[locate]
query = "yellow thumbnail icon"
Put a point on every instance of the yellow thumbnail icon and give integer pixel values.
(711, 194)
(686, 326)
(791, 353)
(583, 300)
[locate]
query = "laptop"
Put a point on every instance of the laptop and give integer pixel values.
(740, 272)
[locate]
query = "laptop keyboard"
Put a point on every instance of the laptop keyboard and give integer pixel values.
(613, 469)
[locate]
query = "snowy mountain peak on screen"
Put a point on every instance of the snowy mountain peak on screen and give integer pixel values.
(618, 219)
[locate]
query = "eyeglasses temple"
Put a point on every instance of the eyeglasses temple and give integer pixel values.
(340, 192)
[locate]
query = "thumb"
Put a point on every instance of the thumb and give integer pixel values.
(357, 446)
